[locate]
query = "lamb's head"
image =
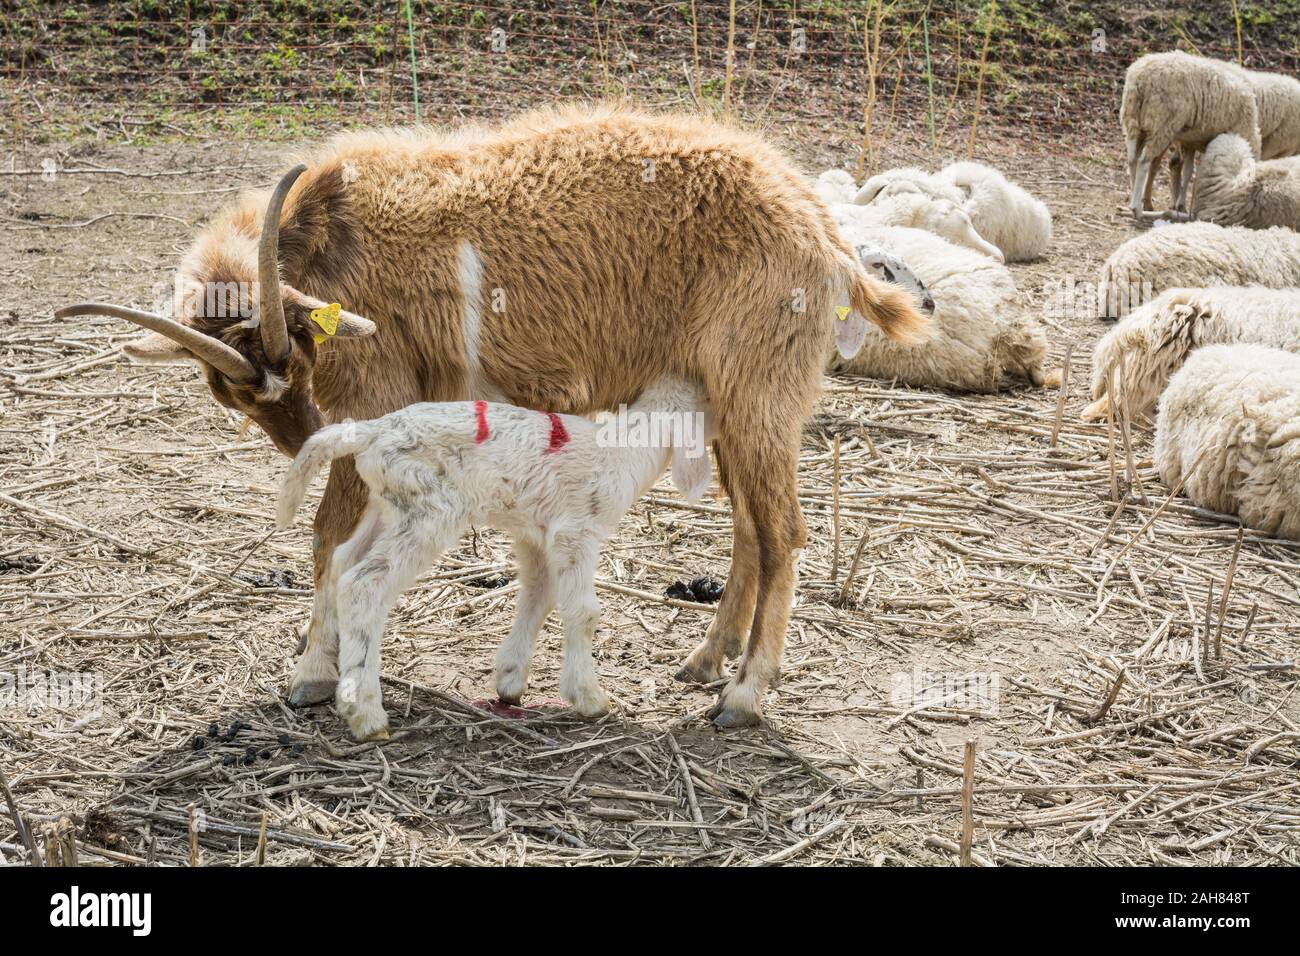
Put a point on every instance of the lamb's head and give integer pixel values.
(1227, 157)
(890, 268)
(253, 336)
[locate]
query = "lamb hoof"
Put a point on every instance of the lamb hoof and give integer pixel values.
(312, 692)
(374, 735)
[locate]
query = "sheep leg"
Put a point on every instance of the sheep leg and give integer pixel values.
(580, 609)
(768, 488)
(536, 598)
(1186, 166)
(315, 676)
(729, 629)
(404, 545)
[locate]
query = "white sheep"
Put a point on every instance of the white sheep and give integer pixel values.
(1002, 212)
(1229, 429)
(1235, 189)
(913, 209)
(1195, 254)
(983, 332)
(834, 186)
(904, 176)
(1277, 99)
(558, 484)
(1154, 340)
(1176, 99)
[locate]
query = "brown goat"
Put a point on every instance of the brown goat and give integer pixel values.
(560, 262)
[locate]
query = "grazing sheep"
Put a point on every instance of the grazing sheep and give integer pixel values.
(1154, 340)
(1235, 189)
(1176, 99)
(912, 209)
(1002, 212)
(1195, 254)
(558, 484)
(560, 260)
(1229, 429)
(983, 332)
(1277, 98)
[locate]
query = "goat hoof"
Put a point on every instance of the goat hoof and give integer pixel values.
(312, 692)
(374, 735)
(725, 718)
(693, 674)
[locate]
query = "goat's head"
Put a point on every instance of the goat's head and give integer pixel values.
(254, 337)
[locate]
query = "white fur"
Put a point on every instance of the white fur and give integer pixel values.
(904, 177)
(915, 209)
(1233, 413)
(834, 186)
(983, 331)
(1154, 340)
(1235, 189)
(1195, 254)
(1003, 212)
(430, 480)
(1277, 100)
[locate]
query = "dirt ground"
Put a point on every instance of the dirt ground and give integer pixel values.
(134, 523)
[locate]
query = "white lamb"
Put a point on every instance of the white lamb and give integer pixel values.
(558, 484)
(1229, 427)
(1235, 189)
(1003, 212)
(1155, 339)
(834, 186)
(907, 176)
(983, 332)
(1195, 255)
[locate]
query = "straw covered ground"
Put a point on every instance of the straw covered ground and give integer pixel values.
(1030, 594)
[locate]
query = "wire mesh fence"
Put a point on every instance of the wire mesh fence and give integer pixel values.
(937, 69)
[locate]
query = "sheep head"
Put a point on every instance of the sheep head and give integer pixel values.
(253, 336)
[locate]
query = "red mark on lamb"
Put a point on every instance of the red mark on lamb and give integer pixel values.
(559, 434)
(480, 412)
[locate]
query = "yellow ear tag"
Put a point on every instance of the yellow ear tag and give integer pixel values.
(841, 311)
(327, 317)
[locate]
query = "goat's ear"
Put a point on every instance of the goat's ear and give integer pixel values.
(350, 325)
(691, 476)
(850, 333)
(156, 349)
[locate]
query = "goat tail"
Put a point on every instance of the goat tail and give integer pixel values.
(888, 306)
(332, 441)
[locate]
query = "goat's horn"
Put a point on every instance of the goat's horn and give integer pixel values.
(213, 351)
(270, 304)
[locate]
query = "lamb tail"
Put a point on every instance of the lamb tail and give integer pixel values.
(333, 441)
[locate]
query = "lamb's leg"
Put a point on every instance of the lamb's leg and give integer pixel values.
(767, 485)
(729, 629)
(575, 595)
(405, 545)
(536, 598)
(316, 674)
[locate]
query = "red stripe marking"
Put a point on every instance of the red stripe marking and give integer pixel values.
(559, 434)
(480, 413)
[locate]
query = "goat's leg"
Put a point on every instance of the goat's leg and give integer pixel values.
(767, 485)
(575, 595)
(536, 598)
(315, 676)
(729, 630)
(404, 546)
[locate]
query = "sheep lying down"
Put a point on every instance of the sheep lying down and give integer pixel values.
(983, 333)
(1153, 341)
(558, 484)
(1229, 427)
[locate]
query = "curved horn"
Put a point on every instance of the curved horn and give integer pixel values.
(213, 351)
(270, 304)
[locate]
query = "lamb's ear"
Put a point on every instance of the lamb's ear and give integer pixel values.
(156, 349)
(691, 475)
(850, 332)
